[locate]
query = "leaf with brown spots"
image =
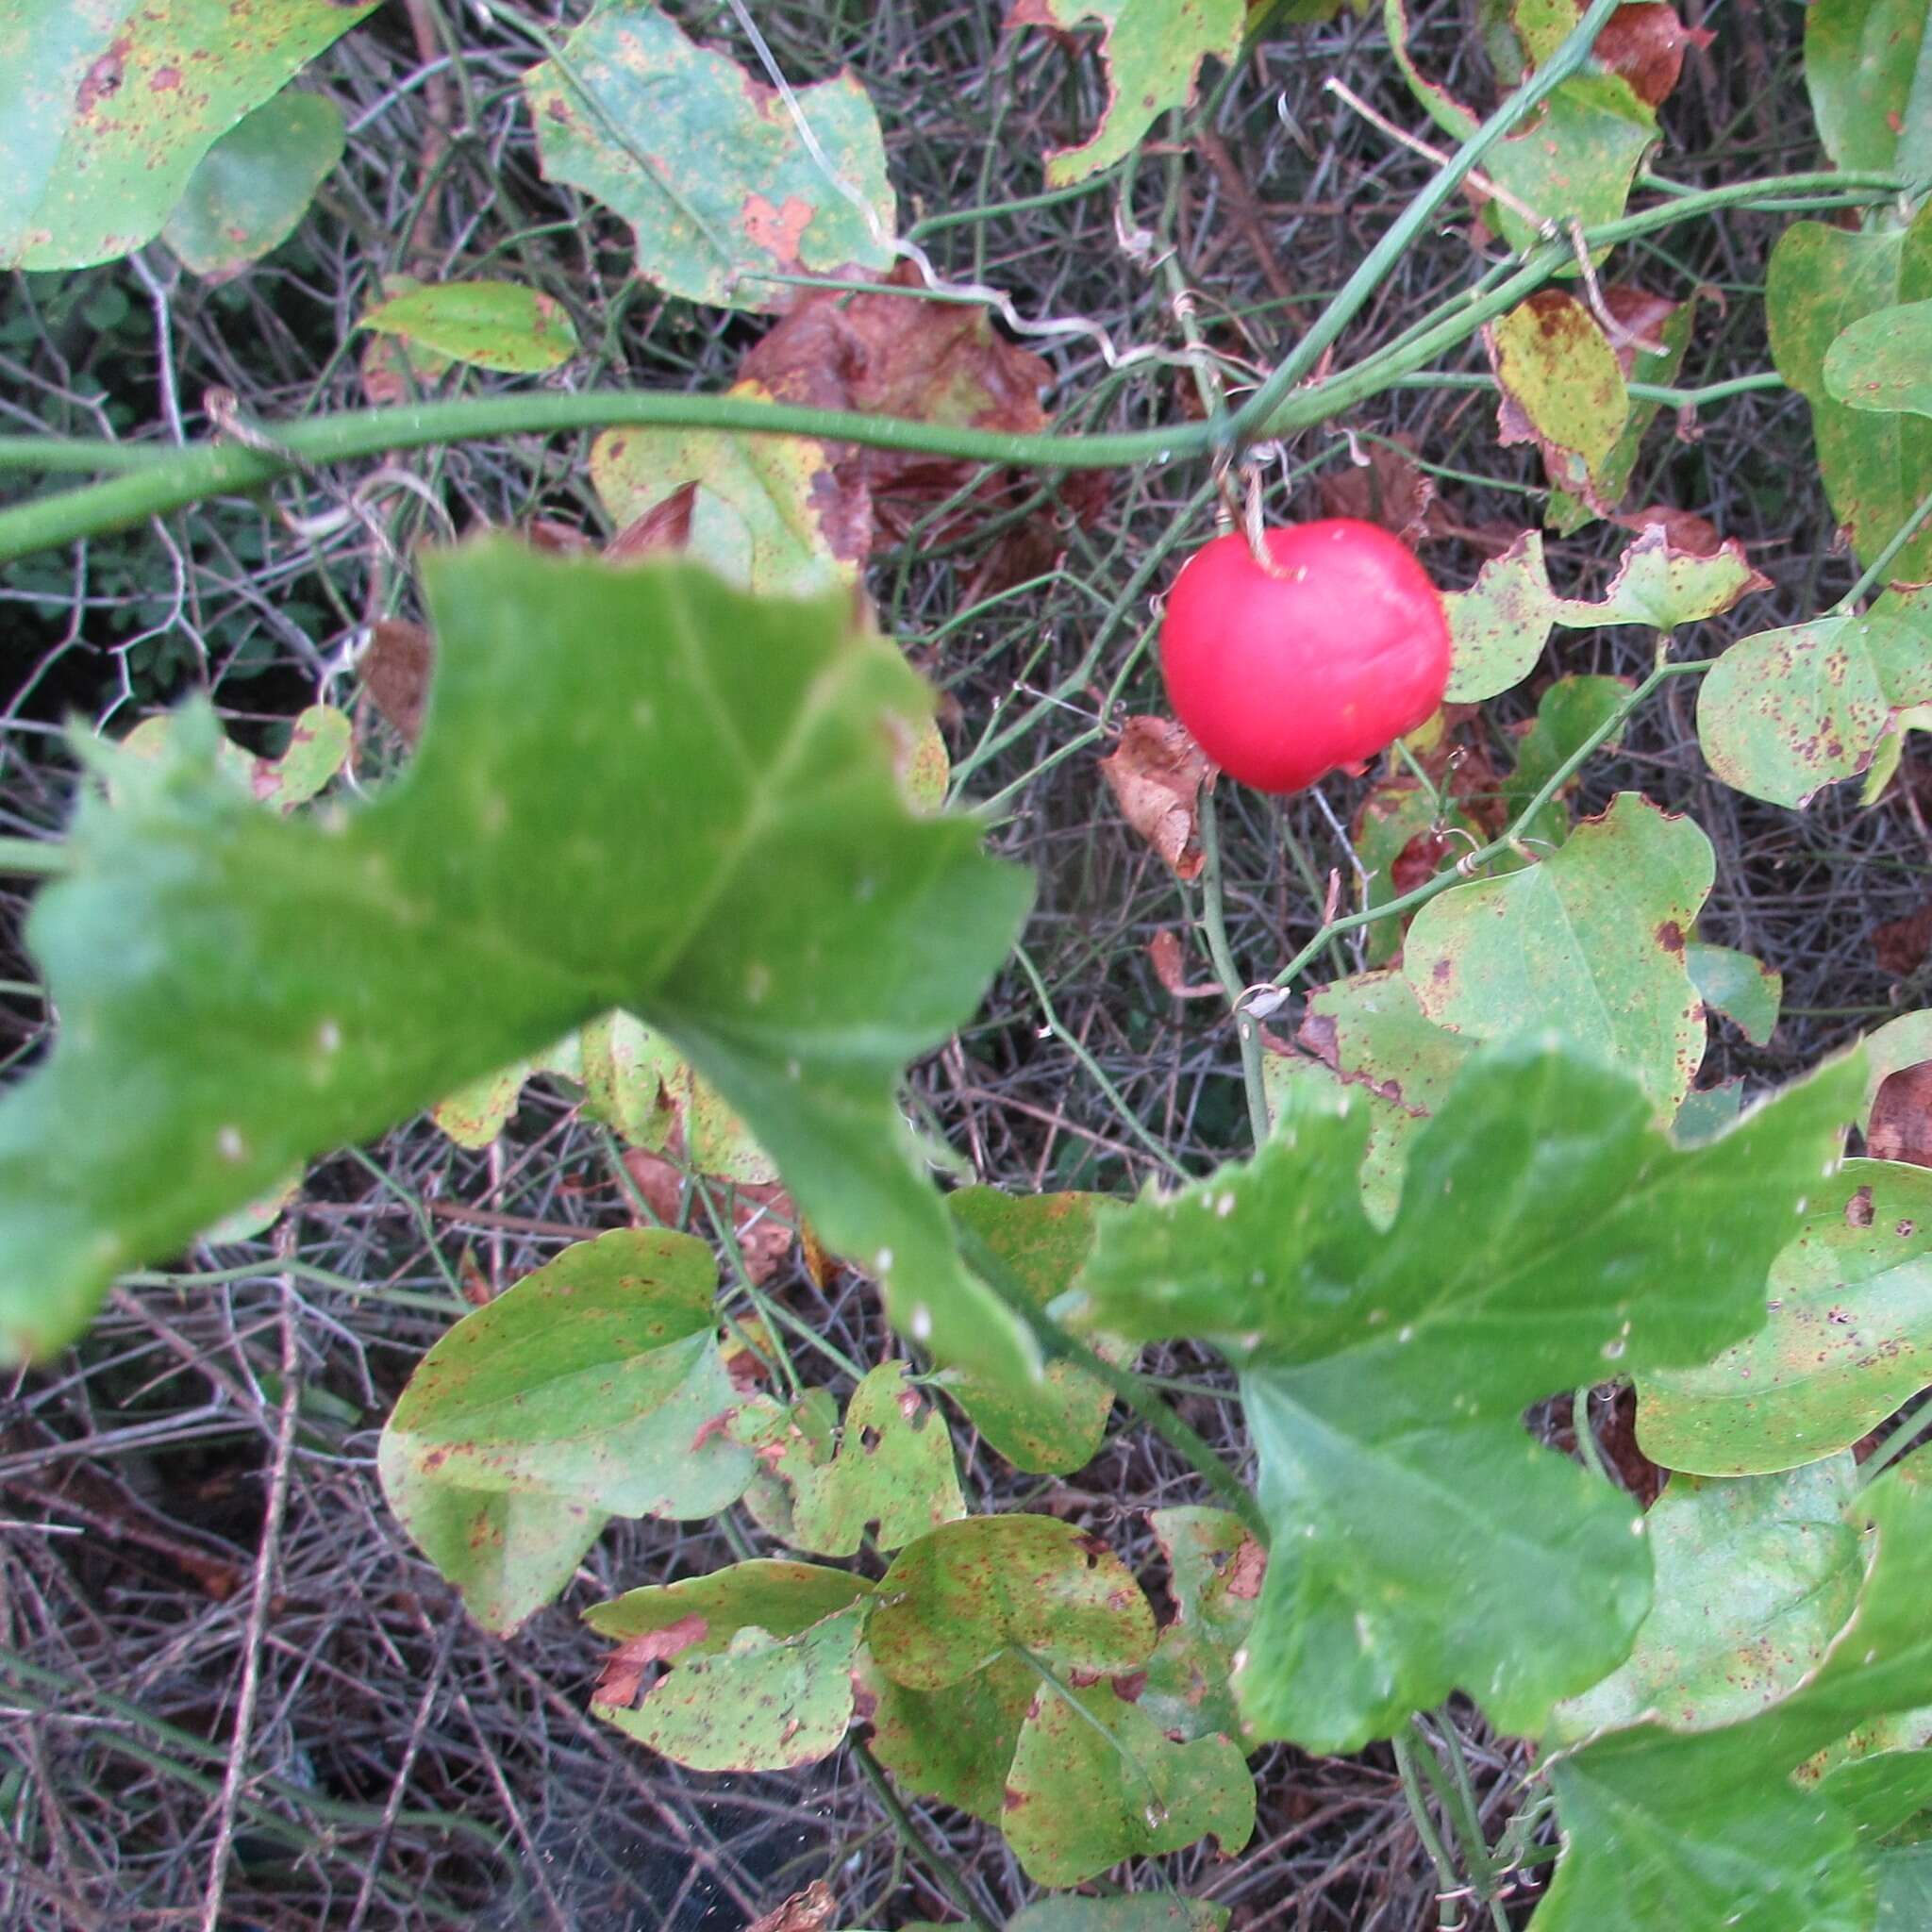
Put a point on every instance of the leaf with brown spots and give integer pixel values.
(106, 112)
(955, 1600)
(810, 1910)
(1155, 774)
(1215, 1570)
(707, 163)
(1645, 44)
(1847, 1337)
(624, 1670)
(891, 1468)
(1562, 388)
(589, 1383)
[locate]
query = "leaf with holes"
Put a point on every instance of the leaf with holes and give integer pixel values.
(1052, 1425)
(252, 188)
(1876, 468)
(891, 1468)
(1786, 712)
(1498, 627)
(715, 171)
(494, 325)
(1548, 1228)
(1094, 1780)
(960, 1598)
(1214, 1576)
(105, 110)
(1706, 1829)
(1753, 1579)
(1868, 65)
(1590, 942)
(789, 923)
(1847, 1340)
(1152, 51)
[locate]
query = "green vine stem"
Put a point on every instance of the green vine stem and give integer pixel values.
(913, 1838)
(158, 481)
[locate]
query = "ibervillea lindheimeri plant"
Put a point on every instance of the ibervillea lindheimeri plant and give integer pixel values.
(641, 792)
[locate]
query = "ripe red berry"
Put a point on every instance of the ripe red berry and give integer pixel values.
(1325, 659)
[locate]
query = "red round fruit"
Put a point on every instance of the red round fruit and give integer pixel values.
(1325, 659)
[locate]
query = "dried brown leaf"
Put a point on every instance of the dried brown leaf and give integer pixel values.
(1155, 774)
(1645, 43)
(1901, 1123)
(395, 671)
(665, 526)
(810, 1910)
(1388, 488)
(1900, 946)
(1164, 952)
(622, 1675)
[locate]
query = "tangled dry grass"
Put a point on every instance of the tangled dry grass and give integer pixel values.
(218, 1655)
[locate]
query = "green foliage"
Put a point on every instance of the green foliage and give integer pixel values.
(107, 111)
(594, 1383)
(1868, 64)
(799, 938)
(1152, 51)
(1590, 942)
(1842, 1345)
(732, 192)
(1876, 467)
(1383, 1374)
(1704, 1828)
(252, 187)
(494, 325)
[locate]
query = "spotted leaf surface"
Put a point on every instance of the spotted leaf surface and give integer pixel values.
(254, 185)
(638, 788)
(1590, 942)
(1707, 1830)
(1868, 64)
(1548, 1229)
(495, 324)
(1753, 1579)
(955, 1600)
(106, 109)
(1847, 1338)
(721, 185)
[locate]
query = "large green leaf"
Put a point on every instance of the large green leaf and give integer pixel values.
(1753, 1579)
(1095, 1780)
(255, 184)
(1152, 51)
(1052, 1425)
(1590, 943)
(105, 109)
(1876, 468)
(637, 789)
(722, 185)
(1868, 64)
(1847, 1338)
(1788, 711)
(1548, 1230)
(962, 1596)
(1705, 1831)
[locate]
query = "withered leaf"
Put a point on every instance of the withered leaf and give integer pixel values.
(809, 1910)
(1155, 774)
(395, 672)
(1901, 1123)
(1164, 952)
(622, 1675)
(665, 526)
(1900, 945)
(1645, 43)
(1388, 489)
